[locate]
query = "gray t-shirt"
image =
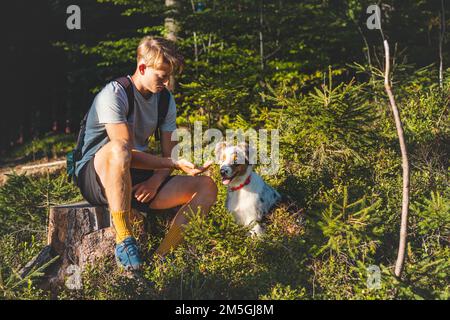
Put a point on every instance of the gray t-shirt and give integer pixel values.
(110, 105)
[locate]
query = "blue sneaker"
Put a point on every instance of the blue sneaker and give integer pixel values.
(127, 254)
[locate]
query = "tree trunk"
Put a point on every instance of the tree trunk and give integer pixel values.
(170, 23)
(261, 40)
(79, 234)
(405, 165)
(441, 43)
(171, 30)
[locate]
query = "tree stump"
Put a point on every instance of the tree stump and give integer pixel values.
(79, 234)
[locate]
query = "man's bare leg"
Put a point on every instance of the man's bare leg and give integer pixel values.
(112, 164)
(194, 193)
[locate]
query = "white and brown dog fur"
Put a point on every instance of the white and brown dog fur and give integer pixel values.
(249, 198)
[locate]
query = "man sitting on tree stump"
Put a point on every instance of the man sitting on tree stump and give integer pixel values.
(115, 168)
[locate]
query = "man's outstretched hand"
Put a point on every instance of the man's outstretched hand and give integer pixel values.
(190, 168)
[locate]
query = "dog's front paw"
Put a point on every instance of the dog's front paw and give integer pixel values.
(257, 230)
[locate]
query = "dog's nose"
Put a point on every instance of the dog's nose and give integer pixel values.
(226, 170)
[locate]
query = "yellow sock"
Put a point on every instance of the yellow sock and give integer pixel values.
(121, 225)
(171, 240)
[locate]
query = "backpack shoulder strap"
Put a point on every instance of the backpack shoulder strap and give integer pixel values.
(77, 152)
(163, 108)
(125, 82)
(82, 131)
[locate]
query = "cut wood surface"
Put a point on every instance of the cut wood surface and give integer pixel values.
(45, 165)
(30, 168)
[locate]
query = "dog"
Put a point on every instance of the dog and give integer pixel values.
(249, 198)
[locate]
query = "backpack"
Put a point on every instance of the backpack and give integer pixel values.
(77, 153)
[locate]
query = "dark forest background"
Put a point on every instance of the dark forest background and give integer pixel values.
(50, 72)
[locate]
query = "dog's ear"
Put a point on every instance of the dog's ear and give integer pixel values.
(219, 149)
(248, 152)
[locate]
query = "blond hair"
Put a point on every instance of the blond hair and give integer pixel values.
(155, 51)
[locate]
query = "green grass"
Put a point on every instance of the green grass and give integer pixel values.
(48, 146)
(342, 217)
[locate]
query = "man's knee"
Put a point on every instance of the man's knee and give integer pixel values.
(208, 189)
(119, 153)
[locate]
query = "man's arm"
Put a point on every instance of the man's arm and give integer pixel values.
(139, 160)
